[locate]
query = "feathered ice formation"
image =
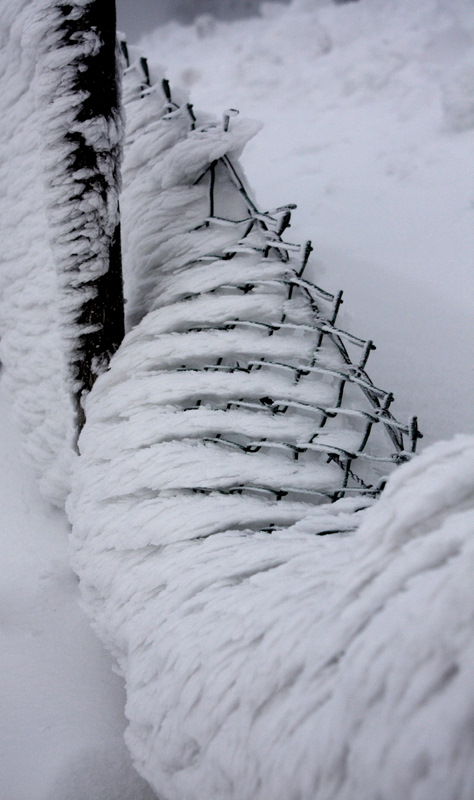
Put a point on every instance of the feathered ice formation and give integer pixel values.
(261, 660)
(277, 665)
(164, 202)
(59, 217)
(81, 130)
(30, 347)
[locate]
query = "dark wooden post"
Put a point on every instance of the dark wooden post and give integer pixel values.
(82, 146)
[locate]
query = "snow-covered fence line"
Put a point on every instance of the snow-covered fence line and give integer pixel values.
(281, 665)
(262, 660)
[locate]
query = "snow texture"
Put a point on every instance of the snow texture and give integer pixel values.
(31, 350)
(81, 134)
(285, 665)
(163, 203)
(60, 705)
(262, 660)
(59, 219)
(259, 659)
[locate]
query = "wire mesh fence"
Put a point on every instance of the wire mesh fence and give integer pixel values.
(250, 316)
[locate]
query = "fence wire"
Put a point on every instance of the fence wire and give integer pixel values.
(356, 430)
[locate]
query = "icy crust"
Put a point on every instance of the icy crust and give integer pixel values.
(285, 665)
(168, 148)
(30, 346)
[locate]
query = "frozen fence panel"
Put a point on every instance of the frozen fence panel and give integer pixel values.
(228, 304)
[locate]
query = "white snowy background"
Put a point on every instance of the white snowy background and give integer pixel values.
(369, 119)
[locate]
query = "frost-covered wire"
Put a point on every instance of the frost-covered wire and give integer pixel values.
(225, 293)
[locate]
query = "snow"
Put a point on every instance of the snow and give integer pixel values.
(368, 126)
(260, 660)
(30, 346)
(286, 665)
(256, 665)
(60, 704)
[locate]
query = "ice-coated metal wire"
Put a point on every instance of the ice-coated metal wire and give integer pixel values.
(296, 348)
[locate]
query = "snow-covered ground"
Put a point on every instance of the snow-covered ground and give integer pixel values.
(60, 704)
(369, 123)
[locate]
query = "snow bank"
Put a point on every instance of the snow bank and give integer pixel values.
(288, 665)
(60, 705)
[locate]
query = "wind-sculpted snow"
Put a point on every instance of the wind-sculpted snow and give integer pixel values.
(59, 217)
(164, 200)
(30, 345)
(280, 665)
(80, 117)
(281, 634)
